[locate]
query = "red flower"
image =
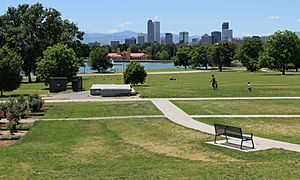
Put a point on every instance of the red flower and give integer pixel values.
(10, 116)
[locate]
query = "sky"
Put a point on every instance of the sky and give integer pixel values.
(246, 17)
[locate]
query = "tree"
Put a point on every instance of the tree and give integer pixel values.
(248, 53)
(10, 69)
(58, 61)
(134, 73)
(30, 30)
(283, 49)
(223, 53)
(99, 59)
(162, 55)
(200, 55)
(182, 56)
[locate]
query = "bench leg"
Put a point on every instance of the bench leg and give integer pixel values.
(226, 138)
(215, 139)
(241, 144)
(252, 143)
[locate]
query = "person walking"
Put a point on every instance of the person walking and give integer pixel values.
(213, 82)
(249, 87)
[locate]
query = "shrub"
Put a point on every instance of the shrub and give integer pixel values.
(35, 103)
(134, 74)
(13, 121)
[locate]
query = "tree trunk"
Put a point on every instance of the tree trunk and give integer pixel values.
(283, 71)
(220, 68)
(296, 69)
(206, 66)
(1, 92)
(29, 77)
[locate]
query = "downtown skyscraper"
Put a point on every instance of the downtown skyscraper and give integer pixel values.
(153, 30)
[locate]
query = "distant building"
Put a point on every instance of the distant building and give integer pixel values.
(195, 41)
(216, 37)
(206, 39)
(130, 41)
(142, 38)
(264, 38)
(226, 32)
(169, 38)
(236, 41)
(150, 31)
(162, 40)
(96, 43)
(114, 44)
(156, 31)
(183, 37)
(127, 55)
(225, 25)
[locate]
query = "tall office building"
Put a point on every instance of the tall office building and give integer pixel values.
(169, 38)
(156, 32)
(130, 41)
(142, 38)
(216, 37)
(195, 41)
(150, 31)
(206, 39)
(114, 44)
(183, 37)
(226, 32)
(225, 25)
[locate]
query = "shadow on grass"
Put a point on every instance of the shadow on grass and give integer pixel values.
(13, 95)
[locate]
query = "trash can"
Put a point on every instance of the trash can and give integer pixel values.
(58, 84)
(77, 83)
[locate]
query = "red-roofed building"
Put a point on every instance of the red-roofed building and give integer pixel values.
(127, 55)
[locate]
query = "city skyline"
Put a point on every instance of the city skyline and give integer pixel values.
(246, 18)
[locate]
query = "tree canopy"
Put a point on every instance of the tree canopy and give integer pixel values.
(134, 73)
(283, 48)
(99, 60)
(10, 69)
(222, 54)
(31, 29)
(58, 61)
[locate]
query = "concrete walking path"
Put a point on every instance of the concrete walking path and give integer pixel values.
(178, 116)
(246, 116)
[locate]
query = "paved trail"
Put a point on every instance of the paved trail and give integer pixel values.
(176, 115)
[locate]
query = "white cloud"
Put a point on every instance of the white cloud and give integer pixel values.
(113, 30)
(273, 17)
(126, 23)
(250, 34)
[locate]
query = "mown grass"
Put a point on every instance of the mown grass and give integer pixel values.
(99, 109)
(135, 149)
(240, 107)
(283, 129)
(231, 84)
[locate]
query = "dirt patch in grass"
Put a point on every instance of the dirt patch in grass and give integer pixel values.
(5, 143)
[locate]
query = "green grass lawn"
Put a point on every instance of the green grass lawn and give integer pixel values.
(283, 129)
(135, 149)
(231, 84)
(240, 107)
(99, 109)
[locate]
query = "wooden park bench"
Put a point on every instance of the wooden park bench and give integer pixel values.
(231, 131)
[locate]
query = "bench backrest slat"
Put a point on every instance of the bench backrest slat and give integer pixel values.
(228, 130)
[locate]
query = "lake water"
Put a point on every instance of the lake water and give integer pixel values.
(122, 65)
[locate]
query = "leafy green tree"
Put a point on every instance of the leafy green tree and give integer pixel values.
(162, 55)
(200, 55)
(10, 69)
(58, 61)
(99, 60)
(30, 30)
(182, 56)
(222, 55)
(134, 73)
(283, 49)
(248, 53)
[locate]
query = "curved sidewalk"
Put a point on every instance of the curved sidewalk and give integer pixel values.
(178, 116)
